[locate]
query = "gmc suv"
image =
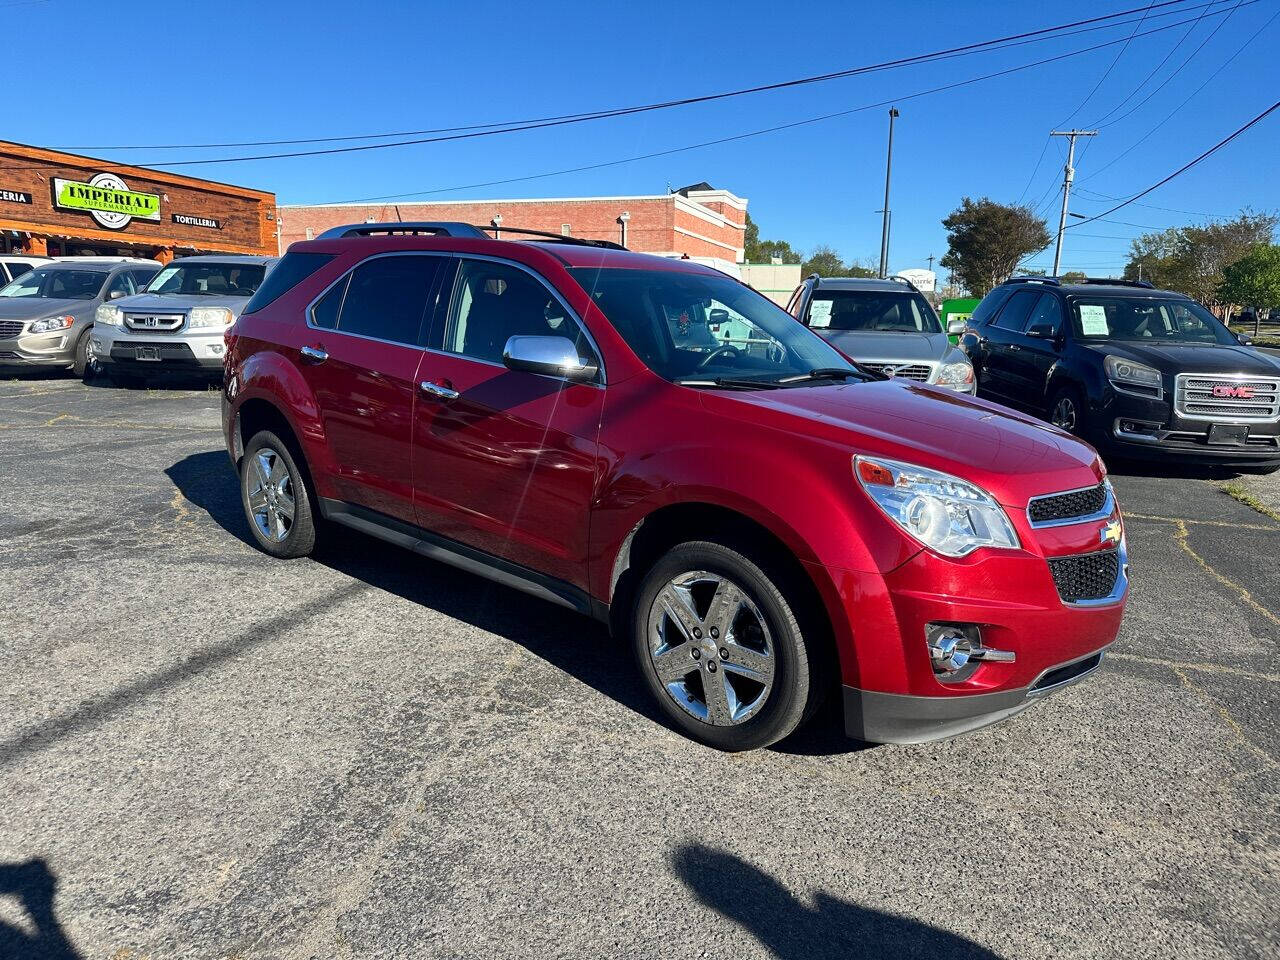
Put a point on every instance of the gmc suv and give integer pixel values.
(1139, 372)
(763, 519)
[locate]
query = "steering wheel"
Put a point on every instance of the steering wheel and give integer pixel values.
(725, 349)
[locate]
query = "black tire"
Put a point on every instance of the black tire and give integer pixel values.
(299, 535)
(82, 366)
(795, 692)
(1068, 401)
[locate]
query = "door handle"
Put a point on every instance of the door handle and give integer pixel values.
(438, 391)
(314, 354)
(1014, 347)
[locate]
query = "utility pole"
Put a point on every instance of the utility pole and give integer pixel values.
(931, 258)
(1068, 175)
(884, 230)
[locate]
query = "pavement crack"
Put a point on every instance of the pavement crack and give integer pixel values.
(1180, 535)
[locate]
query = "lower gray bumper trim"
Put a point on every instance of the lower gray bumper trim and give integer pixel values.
(897, 718)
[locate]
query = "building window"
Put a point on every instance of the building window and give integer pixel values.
(564, 230)
(310, 236)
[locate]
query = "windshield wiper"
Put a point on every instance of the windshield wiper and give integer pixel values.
(730, 383)
(824, 373)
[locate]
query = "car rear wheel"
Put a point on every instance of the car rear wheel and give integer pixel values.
(277, 502)
(721, 649)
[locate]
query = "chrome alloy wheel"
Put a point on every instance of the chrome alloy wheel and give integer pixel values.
(270, 494)
(1064, 414)
(711, 648)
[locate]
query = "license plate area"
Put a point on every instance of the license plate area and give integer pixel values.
(1228, 434)
(147, 353)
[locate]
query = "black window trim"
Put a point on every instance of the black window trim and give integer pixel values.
(424, 322)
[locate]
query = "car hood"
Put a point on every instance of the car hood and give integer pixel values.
(33, 308)
(169, 303)
(1011, 456)
(878, 345)
(1174, 358)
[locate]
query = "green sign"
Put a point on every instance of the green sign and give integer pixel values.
(107, 199)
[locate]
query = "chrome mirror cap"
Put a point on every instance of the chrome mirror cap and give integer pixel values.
(549, 356)
(955, 326)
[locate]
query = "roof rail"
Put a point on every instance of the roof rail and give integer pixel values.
(1053, 281)
(411, 228)
(904, 280)
(1109, 282)
(555, 237)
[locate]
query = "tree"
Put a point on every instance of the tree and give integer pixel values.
(756, 250)
(1073, 276)
(825, 262)
(1254, 281)
(1192, 259)
(987, 239)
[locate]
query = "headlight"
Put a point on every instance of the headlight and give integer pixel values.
(109, 315)
(957, 376)
(209, 317)
(946, 514)
(51, 323)
(1120, 370)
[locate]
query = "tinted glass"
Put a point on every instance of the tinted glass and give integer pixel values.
(1014, 315)
(287, 274)
(18, 269)
(208, 279)
(387, 298)
(57, 284)
(494, 301)
(1047, 311)
(122, 285)
(695, 326)
(141, 277)
(989, 304)
(1147, 320)
(885, 311)
(325, 312)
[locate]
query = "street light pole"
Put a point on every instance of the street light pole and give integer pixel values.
(884, 229)
(1068, 175)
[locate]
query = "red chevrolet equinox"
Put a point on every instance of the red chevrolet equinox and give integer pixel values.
(652, 443)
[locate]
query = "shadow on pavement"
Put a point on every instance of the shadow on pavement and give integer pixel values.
(575, 644)
(33, 885)
(793, 930)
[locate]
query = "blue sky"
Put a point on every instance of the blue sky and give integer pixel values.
(233, 71)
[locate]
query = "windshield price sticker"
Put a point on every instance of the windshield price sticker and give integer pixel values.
(820, 313)
(1093, 320)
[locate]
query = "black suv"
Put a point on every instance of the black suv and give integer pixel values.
(1138, 372)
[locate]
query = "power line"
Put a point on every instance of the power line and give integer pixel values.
(1184, 168)
(1149, 206)
(1111, 66)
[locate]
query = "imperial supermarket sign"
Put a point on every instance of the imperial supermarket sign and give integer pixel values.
(107, 199)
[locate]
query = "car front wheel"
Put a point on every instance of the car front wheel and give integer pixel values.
(721, 648)
(277, 502)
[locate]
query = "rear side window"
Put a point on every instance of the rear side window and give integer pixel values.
(992, 302)
(1014, 314)
(386, 298)
(288, 273)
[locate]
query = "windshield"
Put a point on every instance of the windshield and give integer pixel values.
(882, 311)
(1146, 320)
(56, 284)
(208, 279)
(698, 327)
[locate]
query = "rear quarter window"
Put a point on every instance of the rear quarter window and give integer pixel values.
(292, 269)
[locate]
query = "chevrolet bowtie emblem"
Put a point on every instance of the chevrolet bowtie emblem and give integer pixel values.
(1111, 533)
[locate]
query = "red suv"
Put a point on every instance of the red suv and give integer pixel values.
(652, 443)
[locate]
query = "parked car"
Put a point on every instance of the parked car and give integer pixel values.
(176, 324)
(1138, 372)
(764, 526)
(14, 265)
(46, 314)
(886, 325)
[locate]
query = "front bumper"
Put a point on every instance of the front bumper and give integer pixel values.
(902, 718)
(120, 349)
(55, 349)
(1148, 428)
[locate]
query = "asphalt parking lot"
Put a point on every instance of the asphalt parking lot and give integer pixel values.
(208, 753)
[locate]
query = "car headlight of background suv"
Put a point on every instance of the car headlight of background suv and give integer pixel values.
(108, 315)
(1127, 375)
(50, 324)
(948, 515)
(216, 317)
(957, 375)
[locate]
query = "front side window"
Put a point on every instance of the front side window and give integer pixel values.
(208, 280)
(700, 327)
(493, 302)
(1146, 320)
(121, 286)
(881, 311)
(1047, 312)
(56, 284)
(386, 298)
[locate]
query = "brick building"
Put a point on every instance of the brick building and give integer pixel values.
(61, 204)
(705, 223)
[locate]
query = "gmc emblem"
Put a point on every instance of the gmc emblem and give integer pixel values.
(1240, 393)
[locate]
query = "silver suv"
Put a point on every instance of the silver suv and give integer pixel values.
(46, 313)
(176, 325)
(887, 325)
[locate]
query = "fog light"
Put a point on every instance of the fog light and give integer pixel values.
(953, 647)
(216, 349)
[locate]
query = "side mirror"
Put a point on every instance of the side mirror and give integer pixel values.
(116, 294)
(548, 356)
(955, 326)
(1244, 339)
(1042, 331)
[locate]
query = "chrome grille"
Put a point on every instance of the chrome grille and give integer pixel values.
(919, 372)
(1235, 397)
(10, 328)
(153, 321)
